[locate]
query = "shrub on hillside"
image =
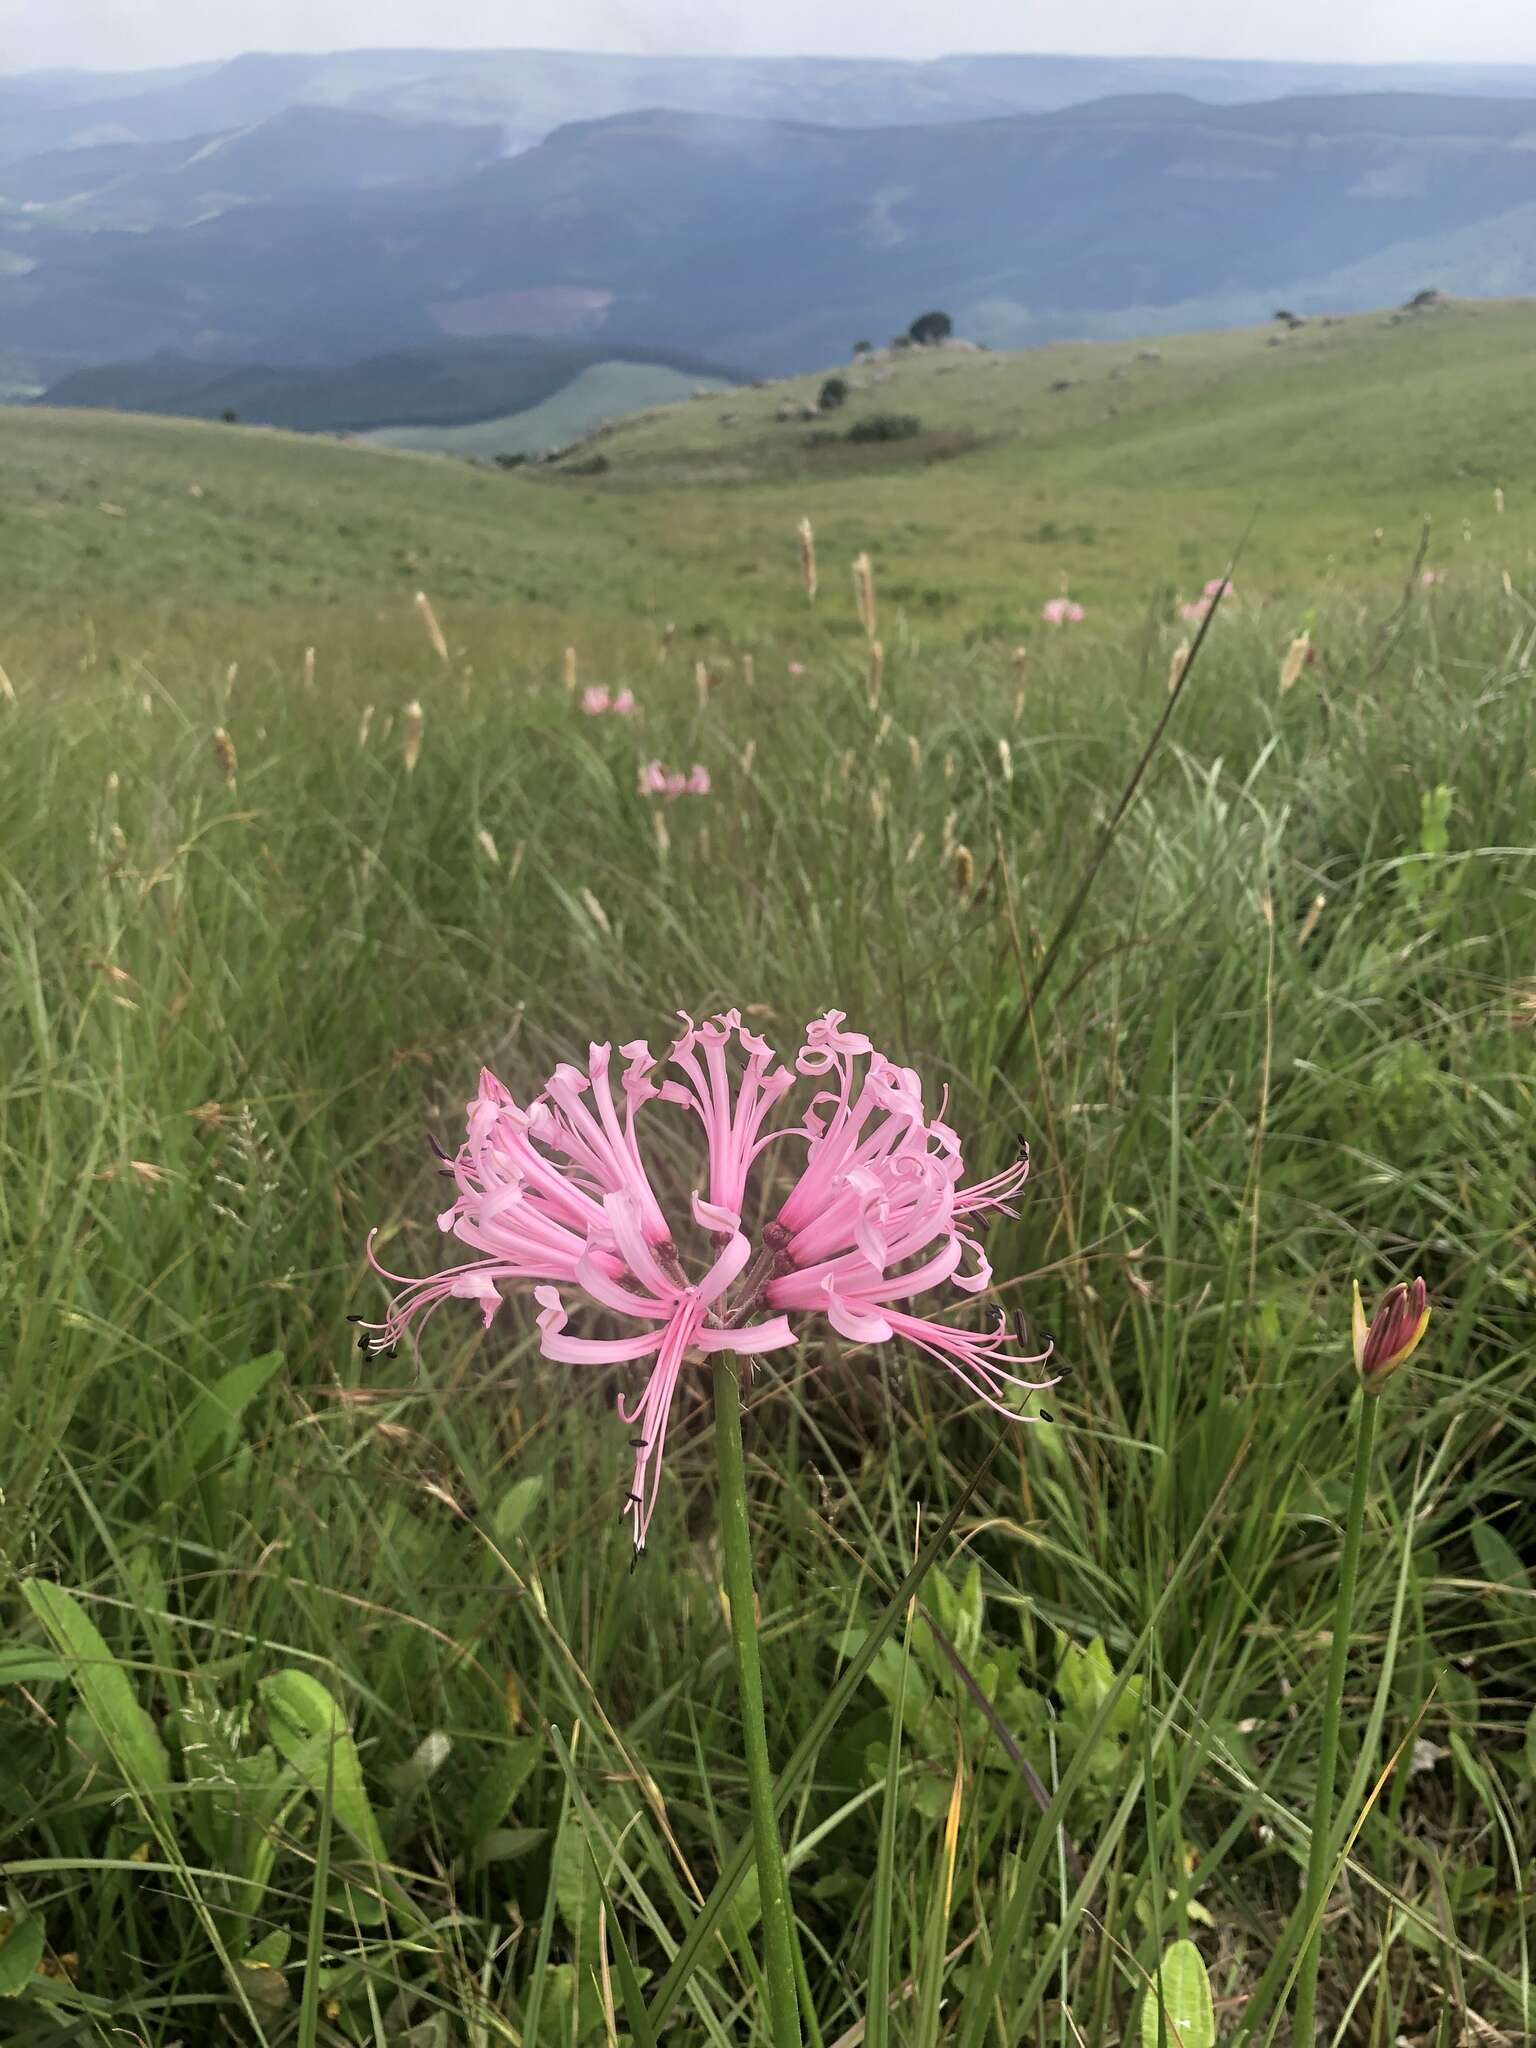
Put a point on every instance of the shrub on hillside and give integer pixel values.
(886, 426)
(833, 393)
(929, 329)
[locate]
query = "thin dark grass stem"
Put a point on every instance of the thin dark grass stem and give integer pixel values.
(1100, 854)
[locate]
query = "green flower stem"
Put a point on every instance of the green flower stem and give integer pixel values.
(1319, 1862)
(736, 1545)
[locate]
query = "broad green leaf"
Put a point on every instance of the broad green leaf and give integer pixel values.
(21, 1950)
(22, 1666)
(506, 1845)
(1499, 1559)
(502, 1782)
(105, 1690)
(514, 1508)
(272, 1950)
(1085, 1677)
(1177, 2011)
(575, 1878)
(213, 1418)
(311, 1734)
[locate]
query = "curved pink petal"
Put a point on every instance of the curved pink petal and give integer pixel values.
(773, 1335)
(727, 1268)
(623, 1213)
(563, 1350)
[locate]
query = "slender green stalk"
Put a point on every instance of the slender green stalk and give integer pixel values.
(736, 1546)
(1319, 1860)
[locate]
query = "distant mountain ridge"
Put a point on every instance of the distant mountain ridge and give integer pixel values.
(532, 92)
(339, 218)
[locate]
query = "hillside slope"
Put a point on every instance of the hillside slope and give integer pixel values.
(1134, 482)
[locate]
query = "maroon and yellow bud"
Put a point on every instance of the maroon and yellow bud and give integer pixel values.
(1393, 1333)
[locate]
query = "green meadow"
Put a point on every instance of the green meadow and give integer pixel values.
(331, 1709)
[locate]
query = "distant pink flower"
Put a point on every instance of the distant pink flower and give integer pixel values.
(797, 668)
(657, 780)
(1432, 576)
(595, 700)
(1062, 611)
(1217, 587)
(559, 1195)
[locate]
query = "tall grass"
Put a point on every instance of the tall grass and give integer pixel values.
(1288, 1042)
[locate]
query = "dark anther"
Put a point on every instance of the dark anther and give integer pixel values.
(639, 1443)
(354, 1319)
(1023, 1144)
(446, 1157)
(634, 1562)
(1046, 1415)
(634, 1500)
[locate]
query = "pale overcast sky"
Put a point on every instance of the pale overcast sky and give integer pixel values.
(113, 34)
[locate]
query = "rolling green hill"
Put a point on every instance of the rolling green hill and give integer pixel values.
(1134, 480)
(605, 392)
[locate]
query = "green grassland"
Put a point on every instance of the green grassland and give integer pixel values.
(1133, 487)
(1286, 1041)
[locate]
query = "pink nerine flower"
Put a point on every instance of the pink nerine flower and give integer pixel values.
(657, 780)
(1062, 611)
(1217, 587)
(867, 1209)
(594, 699)
(624, 703)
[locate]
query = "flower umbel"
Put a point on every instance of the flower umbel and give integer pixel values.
(1393, 1333)
(868, 1210)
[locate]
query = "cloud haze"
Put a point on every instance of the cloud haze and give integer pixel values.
(120, 34)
